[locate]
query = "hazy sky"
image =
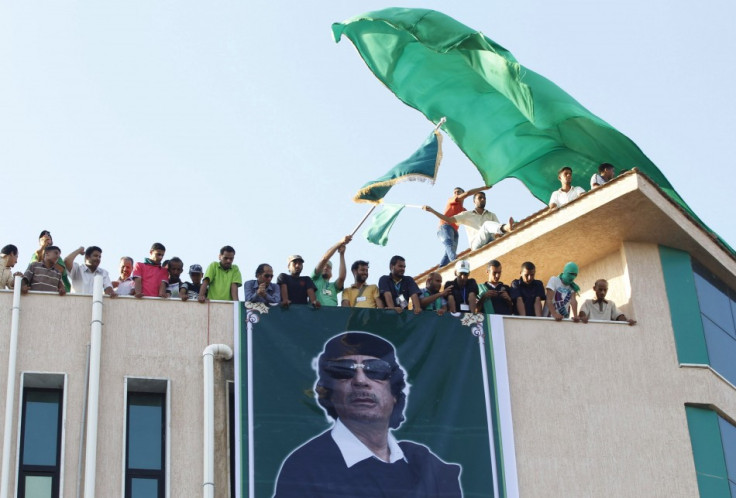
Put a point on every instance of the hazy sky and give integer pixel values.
(200, 124)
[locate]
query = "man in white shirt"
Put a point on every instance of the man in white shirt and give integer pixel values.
(567, 192)
(83, 276)
(604, 175)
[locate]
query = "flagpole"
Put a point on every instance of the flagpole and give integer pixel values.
(440, 123)
(364, 218)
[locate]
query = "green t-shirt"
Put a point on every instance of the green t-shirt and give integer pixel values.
(326, 291)
(220, 280)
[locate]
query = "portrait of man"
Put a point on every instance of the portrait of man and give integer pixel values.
(362, 387)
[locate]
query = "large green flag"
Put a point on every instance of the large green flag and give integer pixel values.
(421, 165)
(510, 121)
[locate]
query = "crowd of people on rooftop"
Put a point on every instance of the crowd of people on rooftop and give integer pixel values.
(156, 277)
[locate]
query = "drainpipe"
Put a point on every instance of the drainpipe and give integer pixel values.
(93, 389)
(10, 390)
(221, 351)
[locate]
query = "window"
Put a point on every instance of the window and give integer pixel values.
(713, 441)
(40, 438)
(145, 441)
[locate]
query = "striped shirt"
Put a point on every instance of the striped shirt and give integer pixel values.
(43, 279)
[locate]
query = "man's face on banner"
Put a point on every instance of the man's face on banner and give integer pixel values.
(362, 398)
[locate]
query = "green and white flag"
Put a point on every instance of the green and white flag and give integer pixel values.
(422, 165)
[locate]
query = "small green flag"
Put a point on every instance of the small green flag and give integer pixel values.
(377, 232)
(422, 165)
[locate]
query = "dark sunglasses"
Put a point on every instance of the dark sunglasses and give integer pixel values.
(374, 369)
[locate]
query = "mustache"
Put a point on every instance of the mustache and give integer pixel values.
(361, 395)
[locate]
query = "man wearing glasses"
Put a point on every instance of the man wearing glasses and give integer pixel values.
(361, 386)
(262, 289)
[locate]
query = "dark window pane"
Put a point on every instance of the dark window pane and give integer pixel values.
(714, 302)
(38, 487)
(143, 488)
(145, 430)
(728, 436)
(41, 426)
(721, 350)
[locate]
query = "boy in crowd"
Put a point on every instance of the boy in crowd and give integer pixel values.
(171, 286)
(600, 308)
(296, 289)
(463, 296)
(561, 292)
(83, 276)
(262, 289)
(495, 296)
(190, 290)
(45, 240)
(8, 259)
(149, 274)
(360, 294)
(44, 276)
(526, 292)
(605, 174)
(327, 291)
(567, 192)
(222, 278)
(431, 297)
(397, 289)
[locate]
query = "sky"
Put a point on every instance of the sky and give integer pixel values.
(201, 124)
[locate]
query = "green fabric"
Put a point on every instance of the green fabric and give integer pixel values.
(422, 165)
(220, 280)
(377, 232)
(687, 323)
(510, 121)
(487, 304)
(710, 462)
(329, 298)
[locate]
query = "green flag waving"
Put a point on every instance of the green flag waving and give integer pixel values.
(377, 232)
(508, 120)
(422, 165)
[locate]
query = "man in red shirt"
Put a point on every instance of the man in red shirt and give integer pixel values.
(149, 274)
(447, 233)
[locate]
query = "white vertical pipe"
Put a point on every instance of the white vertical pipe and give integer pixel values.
(208, 358)
(90, 462)
(10, 389)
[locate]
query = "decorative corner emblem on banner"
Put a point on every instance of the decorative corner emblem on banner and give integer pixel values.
(259, 307)
(475, 322)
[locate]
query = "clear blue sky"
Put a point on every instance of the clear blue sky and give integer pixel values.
(199, 124)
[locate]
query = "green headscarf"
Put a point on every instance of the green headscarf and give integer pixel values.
(568, 276)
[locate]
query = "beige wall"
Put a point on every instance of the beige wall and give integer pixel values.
(142, 339)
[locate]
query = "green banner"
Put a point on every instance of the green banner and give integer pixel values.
(440, 358)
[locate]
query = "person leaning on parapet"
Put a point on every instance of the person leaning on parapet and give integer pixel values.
(149, 274)
(561, 292)
(362, 387)
(83, 276)
(296, 289)
(360, 294)
(8, 259)
(448, 232)
(566, 192)
(397, 289)
(600, 308)
(481, 225)
(125, 285)
(221, 279)
(526, 292)
(432, 298)
(171, 287)
(190, 290)
(327, 291)
(44, 276)
(463, 295)
(495, 296)
(605, 174)
(262, 289)
(45, 240)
